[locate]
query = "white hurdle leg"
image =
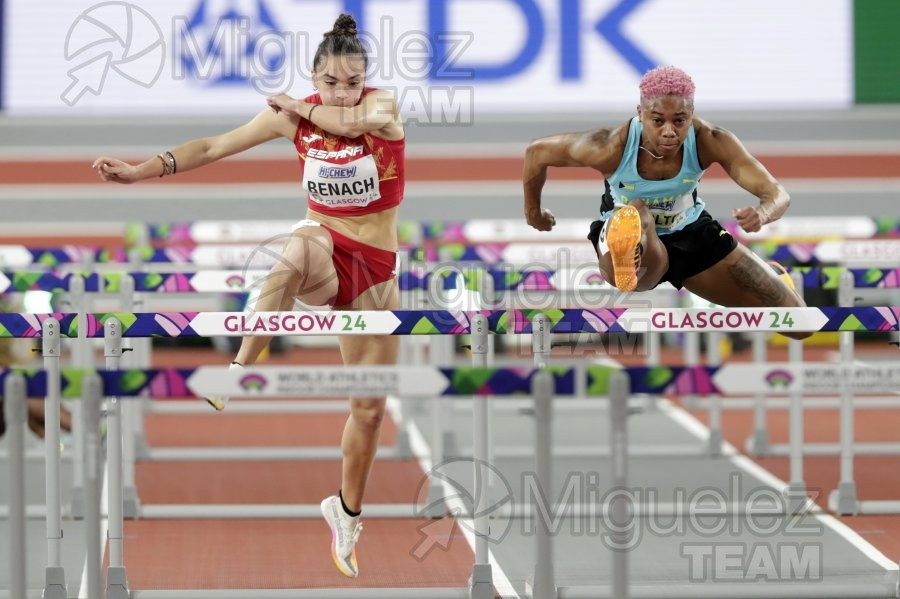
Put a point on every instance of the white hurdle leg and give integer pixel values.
(843, 500)
(116, 579)
(55, 575)
(621, 508)
(91, 393)
(653, 339)
(81, 358)
(542, 582)
(796, 491)
(691, 358)
(16, 417)
(714, 358)
(758, 443)
(130, 412)
(481, 585)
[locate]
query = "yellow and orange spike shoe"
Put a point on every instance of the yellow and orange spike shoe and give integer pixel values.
(623, 237)
(782, 273)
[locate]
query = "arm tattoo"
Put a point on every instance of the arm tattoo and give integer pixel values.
(750, 276)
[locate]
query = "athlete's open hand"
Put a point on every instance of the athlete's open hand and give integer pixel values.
(542, 220)
(111, 169)
(751, 218)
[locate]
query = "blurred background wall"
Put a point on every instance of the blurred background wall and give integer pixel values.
(810, 86)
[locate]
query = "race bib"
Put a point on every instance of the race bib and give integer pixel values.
(668, 213)
(350, 185)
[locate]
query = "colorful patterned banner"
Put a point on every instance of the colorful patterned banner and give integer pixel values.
(179, 383)
(425, 381)
(443, 322)
(451, 279)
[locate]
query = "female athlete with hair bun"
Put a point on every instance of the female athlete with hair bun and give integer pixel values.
(652, 225)
(351, 146)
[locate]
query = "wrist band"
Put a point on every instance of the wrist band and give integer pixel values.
(165, 165)
(171, 158)
(309, 116)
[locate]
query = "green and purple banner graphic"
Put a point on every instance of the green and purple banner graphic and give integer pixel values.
(443, 322)
(448, 279)
(427, 381)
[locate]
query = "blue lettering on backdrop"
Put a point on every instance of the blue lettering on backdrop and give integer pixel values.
(446, 67)
(2, 59)
(610, 28)
(534, 40)
(246, 28)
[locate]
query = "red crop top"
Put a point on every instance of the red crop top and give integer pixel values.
(349, 177)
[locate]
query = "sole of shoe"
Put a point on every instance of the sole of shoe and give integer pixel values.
(623, 239)
(215, 404)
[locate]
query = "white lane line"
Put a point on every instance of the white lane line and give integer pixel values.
(697, 428)
(422, 451)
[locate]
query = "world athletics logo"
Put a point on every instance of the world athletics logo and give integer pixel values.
(253, 383)
(779, 379)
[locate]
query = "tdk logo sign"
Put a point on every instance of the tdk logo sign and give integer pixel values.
(224, 43)
(572, 21)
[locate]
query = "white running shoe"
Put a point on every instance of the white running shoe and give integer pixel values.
(345, 531)
(220, 401)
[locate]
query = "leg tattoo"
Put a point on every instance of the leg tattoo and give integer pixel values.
(750, 277)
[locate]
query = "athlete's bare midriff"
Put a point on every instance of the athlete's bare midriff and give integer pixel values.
(378, 229)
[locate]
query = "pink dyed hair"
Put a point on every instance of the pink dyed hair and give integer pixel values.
(666, 81)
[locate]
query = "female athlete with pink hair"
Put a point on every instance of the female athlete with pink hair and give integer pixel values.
(653, 226)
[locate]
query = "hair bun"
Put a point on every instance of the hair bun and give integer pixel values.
(345, 25)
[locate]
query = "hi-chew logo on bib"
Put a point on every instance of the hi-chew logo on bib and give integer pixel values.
(353, 184)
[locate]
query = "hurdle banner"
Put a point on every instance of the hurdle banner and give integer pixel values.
(776, 379)
(450, 279)
(444, 322)
(333, 381)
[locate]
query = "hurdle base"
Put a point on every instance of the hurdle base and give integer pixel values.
(546, 590)
(796, 500)
(451, 445)
(403, 446)
(481, 584)
(141, 447)
(436, 506)
(843, 501)
(117, 583)
(714, 444)
(131, 503)
(55, 583)
(758, 443)
(76, 505)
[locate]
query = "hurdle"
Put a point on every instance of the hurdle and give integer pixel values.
(600, 381)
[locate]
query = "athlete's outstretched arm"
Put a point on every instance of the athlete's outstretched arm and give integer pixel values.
(596, 149)
(722, 146)
(264, 127)
(377, 110)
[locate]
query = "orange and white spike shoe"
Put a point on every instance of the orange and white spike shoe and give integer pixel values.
(623, 238)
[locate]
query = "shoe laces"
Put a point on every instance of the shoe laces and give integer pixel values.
(353, 529)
